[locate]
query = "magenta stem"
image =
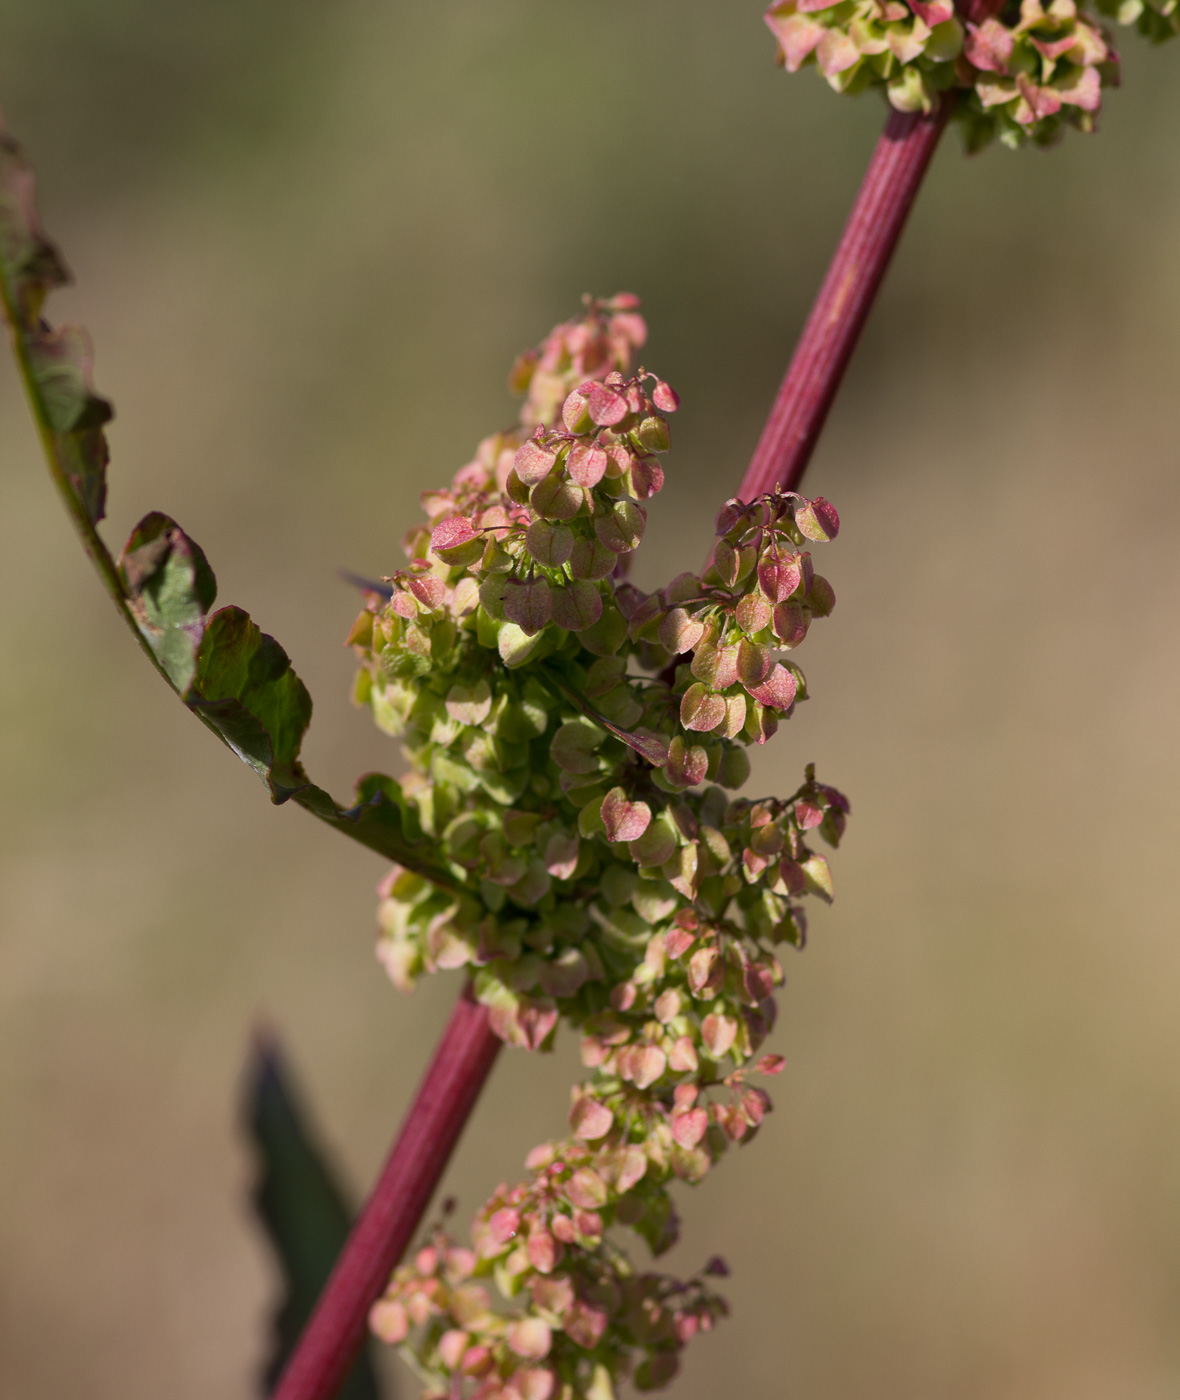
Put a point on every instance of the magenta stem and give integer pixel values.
(870, 236)
(429, 1132)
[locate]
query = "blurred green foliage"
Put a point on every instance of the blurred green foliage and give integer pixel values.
(299, 1203)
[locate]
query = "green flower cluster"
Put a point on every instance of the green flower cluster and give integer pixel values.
(1019, 77)
(571, 742)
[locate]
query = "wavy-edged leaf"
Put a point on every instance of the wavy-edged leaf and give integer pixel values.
(302, 1210)
(235, 677)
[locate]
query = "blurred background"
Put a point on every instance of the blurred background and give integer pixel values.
(309, 241)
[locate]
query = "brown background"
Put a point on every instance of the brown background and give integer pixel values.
(309, 241)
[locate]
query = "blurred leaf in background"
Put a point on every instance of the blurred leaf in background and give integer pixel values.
(301, 1206)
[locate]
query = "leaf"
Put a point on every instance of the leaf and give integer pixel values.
(170, 589)
(716, 666)
(753, 613)
(301, 1207)
(821, 596)
(429, 591)
(515, 644)
(818, 875)
(561, 856)
(687, 765)
(235, 678)
(573, 746)
(556, 499)
(244, 688)
(790, 624)
(753, 663)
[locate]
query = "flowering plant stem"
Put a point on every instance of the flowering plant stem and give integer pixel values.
(845, 299)
(468, 1048)
(461, 1063)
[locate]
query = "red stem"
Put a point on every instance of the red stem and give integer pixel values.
(429, 1132)
(871, 234)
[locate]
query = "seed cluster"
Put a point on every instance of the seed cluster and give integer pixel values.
(574, 745)
(1020, 77)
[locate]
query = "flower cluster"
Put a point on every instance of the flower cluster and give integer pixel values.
(574, 743)
(1018, 77)
(1031, 76)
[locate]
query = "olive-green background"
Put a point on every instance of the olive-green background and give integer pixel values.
(309, 240)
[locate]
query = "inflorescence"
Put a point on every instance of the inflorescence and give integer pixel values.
(574, 745)
(1019, 76)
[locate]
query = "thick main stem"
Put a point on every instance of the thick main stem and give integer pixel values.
(854, 277)
(438, 1115)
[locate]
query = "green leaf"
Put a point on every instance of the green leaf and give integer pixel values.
(232, 675)
(301, 1207)
(170, 589)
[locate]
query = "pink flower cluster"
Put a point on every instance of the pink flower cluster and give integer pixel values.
(571, 739)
